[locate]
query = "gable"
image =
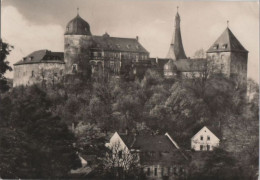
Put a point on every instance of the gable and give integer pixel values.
(204, 131)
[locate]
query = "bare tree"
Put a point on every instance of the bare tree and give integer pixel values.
(120, 162)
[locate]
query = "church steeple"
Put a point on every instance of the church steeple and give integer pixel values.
(176, 50)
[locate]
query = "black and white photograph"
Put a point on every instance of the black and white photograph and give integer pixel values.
(129, 89)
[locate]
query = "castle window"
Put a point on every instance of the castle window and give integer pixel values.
(32, 73)
(99, 54)
(148, 171)
(74, 68)
(155, 171)
(222, 66)
(201, 147)
(208, 138)
(215, 46)
(201, 138)
(224, 46)
(61, 72)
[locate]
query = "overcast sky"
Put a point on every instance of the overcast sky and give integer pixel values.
(31, 25)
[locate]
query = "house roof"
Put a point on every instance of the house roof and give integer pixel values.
(227, 42)
(42, 56)
(159, 149)
(108, 43)
(153, 143)
(202, 129)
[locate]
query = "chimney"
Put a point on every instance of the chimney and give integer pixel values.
(137, 38)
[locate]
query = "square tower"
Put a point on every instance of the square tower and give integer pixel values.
(229, 57)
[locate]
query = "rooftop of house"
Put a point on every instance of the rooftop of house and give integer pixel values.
(227, 42)
(42, 56)
(107, 43)
(154, 148)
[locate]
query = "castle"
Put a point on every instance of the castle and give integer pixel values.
(89, 56)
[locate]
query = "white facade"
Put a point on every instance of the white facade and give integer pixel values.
(204, 140)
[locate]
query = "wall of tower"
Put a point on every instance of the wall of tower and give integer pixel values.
(221, 62)
(238, 67)
(77, 54)
(28, 74)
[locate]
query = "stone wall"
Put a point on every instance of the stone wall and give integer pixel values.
(77, 53)
(28, 74)
(238, 68)
(221, 62)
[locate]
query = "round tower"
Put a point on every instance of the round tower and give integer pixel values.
(77, 43)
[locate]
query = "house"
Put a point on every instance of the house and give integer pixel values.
(159, 156)
(204, 140)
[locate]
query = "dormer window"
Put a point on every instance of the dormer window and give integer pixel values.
(137, 46)
(128, 46)
(215, 46)
(224, 46)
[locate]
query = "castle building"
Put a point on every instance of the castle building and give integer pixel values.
(85, 55)
(92, 57)
(40, 66)
(226, 56)
(229, 57)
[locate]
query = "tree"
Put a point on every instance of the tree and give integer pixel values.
(219, 165)
(5, 50)
(120, 163)
(34, 143)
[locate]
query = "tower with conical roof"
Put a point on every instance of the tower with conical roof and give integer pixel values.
(229, 56)
(176, 50)
(77, 43)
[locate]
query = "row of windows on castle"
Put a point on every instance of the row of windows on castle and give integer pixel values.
(165, 171)
(113, 47)
(42, 73)
(134, 56)
(119, 55)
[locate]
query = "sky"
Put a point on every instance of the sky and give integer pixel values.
(31, 25)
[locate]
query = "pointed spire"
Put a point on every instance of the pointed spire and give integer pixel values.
(78, 11)
(227, 23)
(176, 50)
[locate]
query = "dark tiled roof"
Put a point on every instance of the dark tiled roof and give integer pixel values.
(190, 65)
(77, 26)
(227, 42)
(154, 143)
(42, 56)
(108, 43)
(158, 143)
(154, 149)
